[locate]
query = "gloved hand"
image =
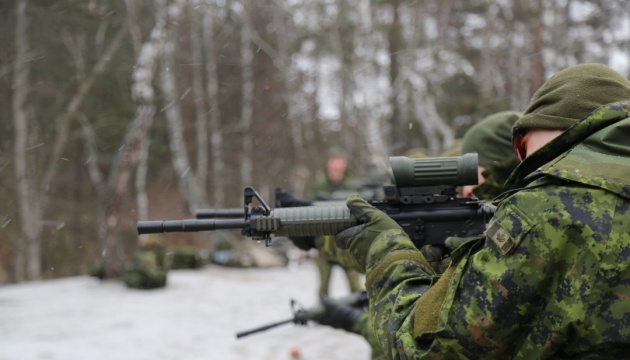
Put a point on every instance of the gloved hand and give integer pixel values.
(358, 239)
(454, 242)
(338, 315)
(437, 256)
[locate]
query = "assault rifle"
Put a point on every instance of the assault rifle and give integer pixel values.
(423, 201)
(302, 316)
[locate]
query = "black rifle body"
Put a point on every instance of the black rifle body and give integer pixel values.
(426, 223)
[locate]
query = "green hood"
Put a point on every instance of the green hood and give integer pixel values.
(595, 151)
(491, 138)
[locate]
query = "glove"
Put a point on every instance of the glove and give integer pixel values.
(437, 256)
(357, 239)
(338, 315)
(454, 242)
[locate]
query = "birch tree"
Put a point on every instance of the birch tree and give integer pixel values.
(35, 196)
(29, 207)
(247, 112)
(128, 155)
(193, 191)
(214, 112)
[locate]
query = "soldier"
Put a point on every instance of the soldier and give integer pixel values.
(491, 139)
(333, 185)
(550, 277)
(148, 270)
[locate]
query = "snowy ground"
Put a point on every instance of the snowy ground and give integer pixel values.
(195, 317)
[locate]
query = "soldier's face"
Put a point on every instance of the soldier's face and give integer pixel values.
(336, 169)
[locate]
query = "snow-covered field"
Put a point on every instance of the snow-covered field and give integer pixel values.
(195, 317)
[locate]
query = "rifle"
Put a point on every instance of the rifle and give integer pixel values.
(214, 213)
(422, 201)
(301, 316)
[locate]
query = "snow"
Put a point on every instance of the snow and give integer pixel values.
(195, 317)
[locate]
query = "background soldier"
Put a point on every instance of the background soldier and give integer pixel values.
(491, 139)
(335, 184)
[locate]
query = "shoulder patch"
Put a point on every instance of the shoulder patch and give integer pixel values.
(500, 237)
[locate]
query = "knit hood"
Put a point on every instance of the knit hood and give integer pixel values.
(570, 95)
(491, 138)
(595, 151)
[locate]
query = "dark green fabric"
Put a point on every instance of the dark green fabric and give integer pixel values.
(571, 94)
(491, 138)
(185, 258)
(495, 177)
(363, 327)
(604, 117)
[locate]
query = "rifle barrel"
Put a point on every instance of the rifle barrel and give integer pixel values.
(188, 225)
(262, 328)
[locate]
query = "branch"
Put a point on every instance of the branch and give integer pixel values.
(76, 101)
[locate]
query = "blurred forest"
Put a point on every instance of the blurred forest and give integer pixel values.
(115, 111)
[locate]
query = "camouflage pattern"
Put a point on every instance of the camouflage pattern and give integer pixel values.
(495, 177)
(329, 256)
(185, 257)
(148, 269)
(551, 276)
(362, 327)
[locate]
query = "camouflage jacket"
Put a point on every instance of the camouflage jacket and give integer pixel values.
(549, 279)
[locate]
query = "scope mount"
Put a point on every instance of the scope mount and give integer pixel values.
(419, 195)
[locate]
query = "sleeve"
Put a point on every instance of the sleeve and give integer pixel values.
(363, 327)
(397, 276)
(516, 293)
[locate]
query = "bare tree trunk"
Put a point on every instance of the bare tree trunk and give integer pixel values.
(377, 152)
(538, 67)
(346, 47)
(487, 58)
(201, 120)
(128, 156)
(397, 141)
(26, 189)
(63, 122)
(142, 199)
(31, 193)
(247, 68)
(431, 121)
(216, 131)
(192, 191)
